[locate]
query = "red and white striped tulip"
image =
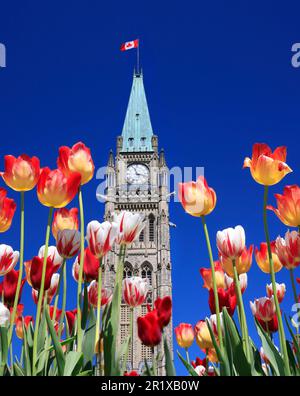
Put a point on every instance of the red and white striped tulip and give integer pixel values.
(231, 242)
(106, 295)
(101, 236)
(288, 249)
(135, 291)
(280, 291)
(263, 308)
(68, 243)
(129, 225)
(53, 255)
(8, 259)
(243, 278)
(50, 292)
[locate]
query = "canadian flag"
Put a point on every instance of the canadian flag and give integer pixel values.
(129, 45)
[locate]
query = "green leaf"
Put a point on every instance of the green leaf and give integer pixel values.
(295, 341)
(73, 363)
(4, 345)
(188, 366)
(60, 359)
(270, 351)
(26, 349)
(170, 369)
(18, 371)
(85, 311)
(86, 373)
(88, 345)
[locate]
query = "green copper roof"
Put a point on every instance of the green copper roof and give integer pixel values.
(137, 129)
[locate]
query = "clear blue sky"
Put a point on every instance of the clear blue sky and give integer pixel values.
(218, 78)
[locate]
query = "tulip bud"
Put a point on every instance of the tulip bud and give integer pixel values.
(130, 225)
(267, 168)
(288, 206)
(263, 308)
(231, 242)
(8, 259)
(22, 173)
(8, 287)
(280, 291)
(4, 315)
(149, 329)
(68, 243)
(185, 335)
(101, 236)
(64, 219)
(135, 290)
(197, 198)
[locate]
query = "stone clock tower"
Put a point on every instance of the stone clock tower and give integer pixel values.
(137, 181)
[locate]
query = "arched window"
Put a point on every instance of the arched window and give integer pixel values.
(125, 314)
(142, 236)
(127, 270)
(151, 228)
(146, 273)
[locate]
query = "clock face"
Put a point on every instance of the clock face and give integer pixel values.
(137, 174)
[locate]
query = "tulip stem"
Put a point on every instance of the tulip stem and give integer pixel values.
(41, 294)
(293, 285)
(187, 355)
(64, 301)
(99, 296)
(242, 316)
(80, 275)
(17, 295)
(272, 273)
(216, 297)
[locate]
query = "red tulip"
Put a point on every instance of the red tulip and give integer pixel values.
(131, 374)
(199, 362)
(271, 325)
(90, 266)
(22, 173)
(56, 190)
(9, 287)
(164, 310)
(51, 291)
(7, 210)
(227, 298)
(149, 329)
(71, 319)
(76, 159)
(64, 219)
(36, 272)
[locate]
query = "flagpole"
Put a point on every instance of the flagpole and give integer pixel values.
(138, 57)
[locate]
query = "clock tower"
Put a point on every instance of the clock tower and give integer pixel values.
(137, 181)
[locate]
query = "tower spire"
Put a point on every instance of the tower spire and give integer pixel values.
(137, 129)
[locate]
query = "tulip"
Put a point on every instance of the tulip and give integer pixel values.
(262, 258)
(90, 266)
(185, 335)
(9, 287)
(53, 255)
(206, 274)
(212, 357)
(4, 315)
(36, 269)
(197, 198)
(280, 290)
(263, 308)
(199, 362)
(267, 168)
(243, 278)
(7, 210)
(202, 335)
(76, 159)
(71, 319)
(201, 371)
(8, 259)
(163, 306)
(55, 189)
(231, 242)
(64, 219)
(149, 329)
(51, 292)
(288, 206)
(129, 226)
(135, 291)
(131, 374)
(22, 173)
(288, 249)
(101, 236)
(68, 243)
(243, 263)
(227, 298)
(270, 326)
(213, 323)
(106, 295)
(19, 325)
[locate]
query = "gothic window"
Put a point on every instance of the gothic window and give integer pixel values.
(125, 312)
(142, 236)
(127, 271)
(146, 273)
(151, 228)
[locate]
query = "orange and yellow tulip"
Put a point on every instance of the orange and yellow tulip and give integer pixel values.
(76, 159)
(55, 189)
(288, 206)
(7, 210)
(243, 263)
(197, 198)
(203, 337)
(22, 173)
(206, 274)
(64, 219)
(267, 168)
(262, 258)
(184, 334)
